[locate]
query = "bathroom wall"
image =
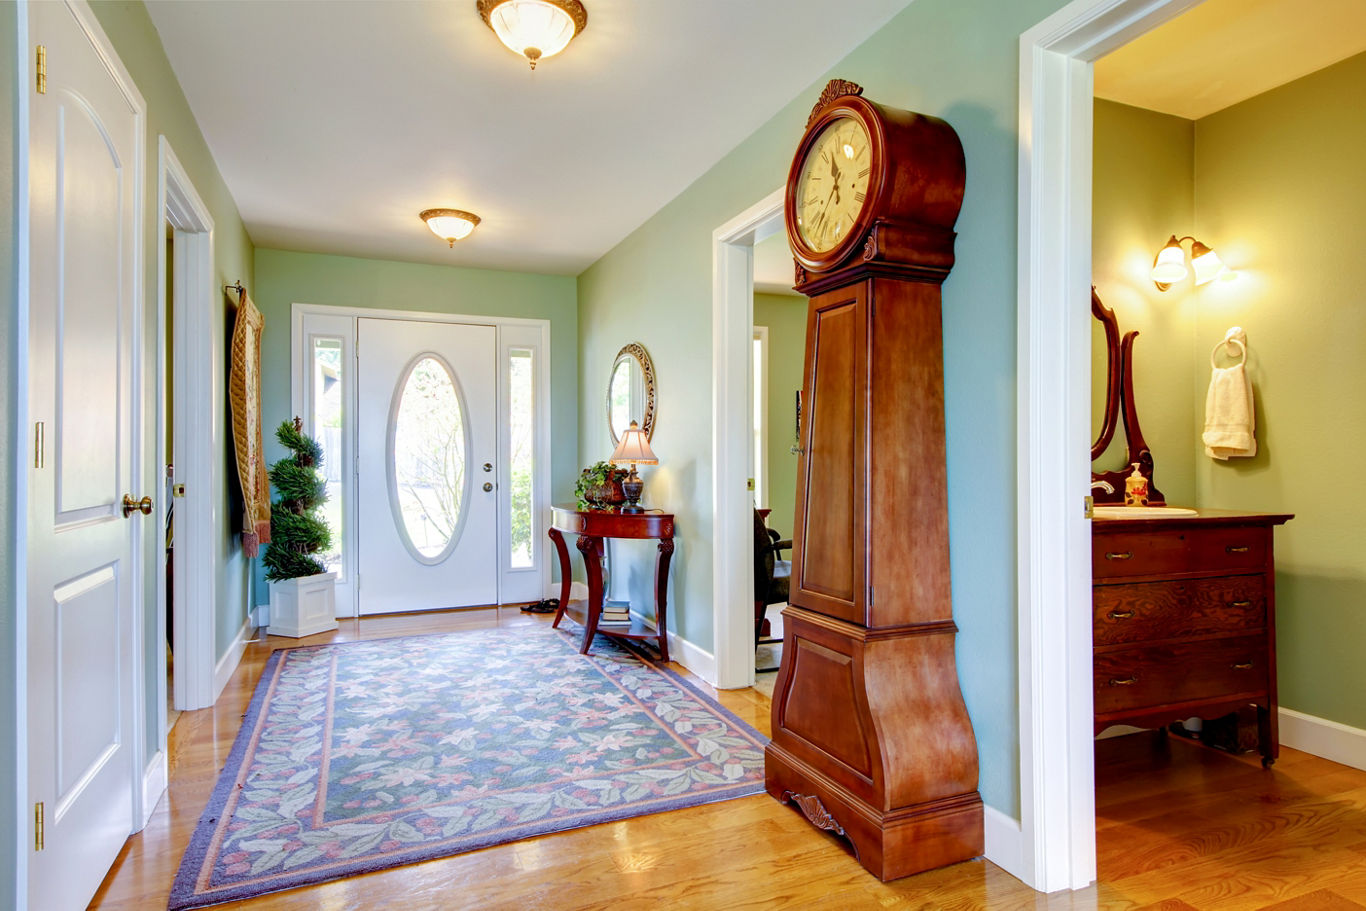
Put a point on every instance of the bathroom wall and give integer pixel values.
(785, 317)
(1281, 190)
(1143, 191)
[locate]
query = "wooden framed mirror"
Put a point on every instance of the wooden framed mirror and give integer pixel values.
(631, 392)
(1120, 406)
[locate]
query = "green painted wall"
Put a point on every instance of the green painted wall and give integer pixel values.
(9, 440)
(1281, 193)
(785, 317)
(1143, 191)
(136, 42)
(286, 278)
(957, 59)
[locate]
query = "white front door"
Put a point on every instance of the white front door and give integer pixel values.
(427, 465)
(83, 147)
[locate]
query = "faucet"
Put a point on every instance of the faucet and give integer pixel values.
(1103, 485)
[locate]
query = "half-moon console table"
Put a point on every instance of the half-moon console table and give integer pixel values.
(593, 526)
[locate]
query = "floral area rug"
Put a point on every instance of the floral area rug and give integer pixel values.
(361, 756)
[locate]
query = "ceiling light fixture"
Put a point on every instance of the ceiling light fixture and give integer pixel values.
(450, 224)
(1169, 267)
(536, 29)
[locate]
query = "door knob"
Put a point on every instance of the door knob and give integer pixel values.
(131, 506)
(488, 486)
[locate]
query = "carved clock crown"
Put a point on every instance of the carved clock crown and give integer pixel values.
(835, 88)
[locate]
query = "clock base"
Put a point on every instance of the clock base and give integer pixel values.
(872, 741)
(889, 844)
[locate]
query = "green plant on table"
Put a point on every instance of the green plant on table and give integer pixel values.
(595, 477)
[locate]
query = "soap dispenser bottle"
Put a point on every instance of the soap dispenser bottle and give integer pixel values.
(1135, 488)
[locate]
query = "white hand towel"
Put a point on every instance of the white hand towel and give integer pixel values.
(1229, 423)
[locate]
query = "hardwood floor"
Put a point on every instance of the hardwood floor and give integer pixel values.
(1180, 827)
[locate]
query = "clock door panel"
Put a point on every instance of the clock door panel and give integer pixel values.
(908, 572)
(829, 553)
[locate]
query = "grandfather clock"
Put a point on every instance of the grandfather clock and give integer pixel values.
(871, 738)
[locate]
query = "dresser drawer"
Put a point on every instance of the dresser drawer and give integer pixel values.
(1150, 676)
(1140, 611)
(1145, 553)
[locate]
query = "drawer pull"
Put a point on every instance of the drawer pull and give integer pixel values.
(1123, 681)
(1240, 604)
(1242, 665)
(1121, 614)
(1114, 555)
(1236, 548)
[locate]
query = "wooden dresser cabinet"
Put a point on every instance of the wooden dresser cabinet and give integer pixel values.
(1184, 620)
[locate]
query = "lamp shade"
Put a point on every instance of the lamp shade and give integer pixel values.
(634, 447)
(450, 224)
(1205, 262)
(536, 29)
(1170, 265)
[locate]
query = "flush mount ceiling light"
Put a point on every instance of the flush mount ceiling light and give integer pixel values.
(536, 29)
(1170, 265)
(450, 224)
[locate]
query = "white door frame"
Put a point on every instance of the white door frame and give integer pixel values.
(732, 323)
(513, 330)
(195, 379)
(1057, 779)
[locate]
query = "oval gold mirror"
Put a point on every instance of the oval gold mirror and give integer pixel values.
(631, 392)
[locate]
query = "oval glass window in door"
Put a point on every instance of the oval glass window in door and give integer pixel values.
(428, 443)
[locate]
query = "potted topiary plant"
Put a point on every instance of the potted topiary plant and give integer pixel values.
(599, 486)
(302, 591)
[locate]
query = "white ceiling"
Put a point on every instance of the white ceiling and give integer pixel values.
(334, 123)
(1226, 51)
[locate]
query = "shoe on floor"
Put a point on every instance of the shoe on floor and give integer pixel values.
(548, 606)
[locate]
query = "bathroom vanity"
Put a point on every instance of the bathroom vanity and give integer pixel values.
(1184, 619)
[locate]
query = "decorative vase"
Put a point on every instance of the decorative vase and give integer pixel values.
(608, 494)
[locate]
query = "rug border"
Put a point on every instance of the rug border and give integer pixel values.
(183, 897)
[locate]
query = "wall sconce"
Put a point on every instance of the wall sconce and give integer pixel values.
(1170, 265)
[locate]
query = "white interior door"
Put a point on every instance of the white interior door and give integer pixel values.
(427, 465)
(83, 262)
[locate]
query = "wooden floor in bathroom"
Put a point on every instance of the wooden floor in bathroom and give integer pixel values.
(1180, 827)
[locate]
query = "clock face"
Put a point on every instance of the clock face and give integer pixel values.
(833, 184)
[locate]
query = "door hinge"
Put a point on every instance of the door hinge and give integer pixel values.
(38, 442)
(1090, 504)
(38, 826)
(42, 70)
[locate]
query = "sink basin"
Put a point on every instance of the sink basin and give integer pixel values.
(1143, 512)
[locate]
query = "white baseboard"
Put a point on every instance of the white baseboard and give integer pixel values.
(154, 782)
(223, 672)
(1003, 842)
(696, 659)
(1321, 737)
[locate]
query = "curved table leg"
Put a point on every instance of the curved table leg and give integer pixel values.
(666, 551)
(591, 548)
(562, 553)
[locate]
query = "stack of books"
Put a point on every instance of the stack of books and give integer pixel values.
(615, 613)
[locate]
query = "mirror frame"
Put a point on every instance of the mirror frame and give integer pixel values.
(1119, 405)
(647, 368)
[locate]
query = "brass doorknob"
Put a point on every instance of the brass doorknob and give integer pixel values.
(131, 506)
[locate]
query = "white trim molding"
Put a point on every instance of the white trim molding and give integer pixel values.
(154, 782)
(195, 355)
(1003, 841)
(1321, 737)
(1057, 791)
(732, 324)
(227, 665)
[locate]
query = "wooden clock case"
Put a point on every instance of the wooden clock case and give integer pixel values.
(871, 738)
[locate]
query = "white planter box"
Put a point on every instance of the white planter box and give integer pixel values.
(303, 606)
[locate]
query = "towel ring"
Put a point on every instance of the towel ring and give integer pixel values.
(1228, 341)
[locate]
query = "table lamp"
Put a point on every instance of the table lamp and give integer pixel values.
(633, 448)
